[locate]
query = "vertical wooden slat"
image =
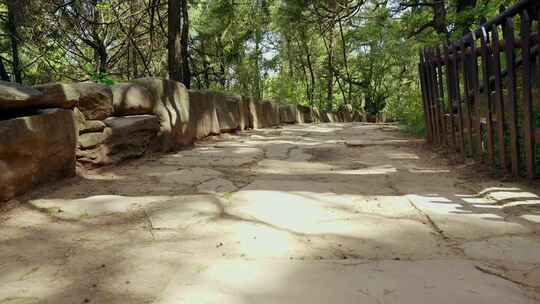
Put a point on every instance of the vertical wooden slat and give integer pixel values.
(449, 85)
(457, 96)
(423, 91)
(424, 97)
(476, 100)
(509, 46)
(499, 102)
(528, 128)
(429, 97)
(435, 96)
(441, 96)
(465, 62)
(486, 64)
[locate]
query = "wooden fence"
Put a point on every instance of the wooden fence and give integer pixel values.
(481, 95)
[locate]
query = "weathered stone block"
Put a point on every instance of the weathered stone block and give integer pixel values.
(93, 139)
(306, 114)
(126, 137)
(172, 108)
(346, 113)
(131, 99)
(203, 113)
(17, 96)
(35, 149)
(92, 126)
(287, 114)
(95, 100)
(256, 113)
(245, 122)
(228, 112)
(316, 115)
(59, 95)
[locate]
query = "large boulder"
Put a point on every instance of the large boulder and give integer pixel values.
(131, 99)
(251, 111)
(35, 149)
(228, 111)
(95, 100)
(306, 114)
(245, 117)
(59, 95)
(17, 96)
(14, 96)
(92, 140)
(124, 137)
(287, 114)
(275, 121)
(256, 113)
(346, 113)
(267, 113)
(86, 126)
(172, 108)
(324, 116)
(331, 117)
(92, 99)
(358, 116)
(316, 115)
(80, 120)
(270, 114)
(299, 115)
(203, 115)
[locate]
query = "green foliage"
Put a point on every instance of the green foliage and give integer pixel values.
(101, 78)
(324, 53)
(408, 110)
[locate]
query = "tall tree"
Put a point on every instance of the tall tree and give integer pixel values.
(12, 25)
(178, 33)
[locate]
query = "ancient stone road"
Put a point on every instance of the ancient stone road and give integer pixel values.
(330, 213)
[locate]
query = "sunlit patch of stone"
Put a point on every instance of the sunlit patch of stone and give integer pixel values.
(398, 156)
(428, 170)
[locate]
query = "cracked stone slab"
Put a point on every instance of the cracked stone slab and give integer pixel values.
(230, 157)
(189, 176)
(217, 185)
(462, 220)
(516, 249)
(391, 142)
(361, 230)
(183, 211)
(356, 281)
(93, 206)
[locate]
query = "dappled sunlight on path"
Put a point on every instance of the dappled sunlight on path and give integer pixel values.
(343, 213)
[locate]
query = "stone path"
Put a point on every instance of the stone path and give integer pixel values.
(331, 213)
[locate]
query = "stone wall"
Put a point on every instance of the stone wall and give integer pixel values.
(50, 129)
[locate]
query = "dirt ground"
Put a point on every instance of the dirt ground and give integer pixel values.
(330, 213)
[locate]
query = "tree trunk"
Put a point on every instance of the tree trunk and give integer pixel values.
(331, 47)
(178, 29)
(3, 74)
(346, 64)
(439, 16)
(174, 40)
(311, 74)
(186, 72)
(12, 29)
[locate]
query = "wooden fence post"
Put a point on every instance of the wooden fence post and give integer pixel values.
(528, 128)
(486, 64)
(499, 101)
(449, 85)
(509, 46)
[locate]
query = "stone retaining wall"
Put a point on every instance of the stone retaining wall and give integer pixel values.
(48, 130)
